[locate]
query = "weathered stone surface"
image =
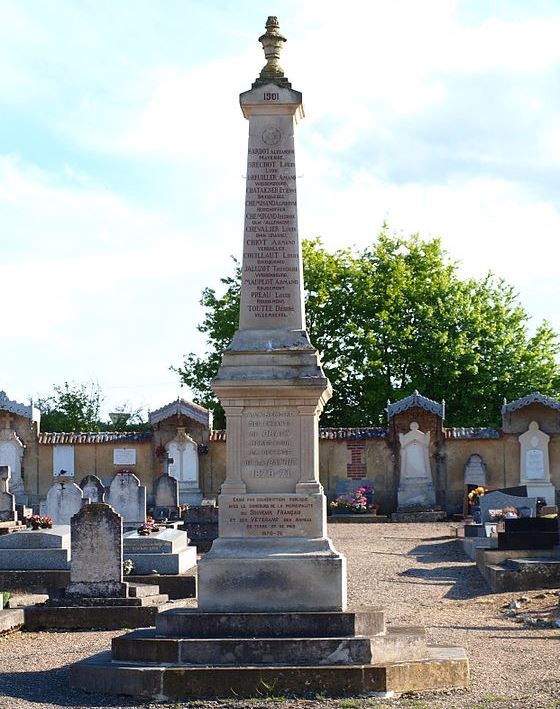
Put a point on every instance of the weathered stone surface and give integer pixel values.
(11, 619)
(166, 491)
(93, 488)
(446, 667)
(128, 498)
(497, 500)
(35, 580)
(64, 499)
(192, 623)
(475, 470)
(416, 486)
(97, 556)
(58, 537)
(88, 617)
(20, 559)
(167, 541)
(534, 463)
(173, 585)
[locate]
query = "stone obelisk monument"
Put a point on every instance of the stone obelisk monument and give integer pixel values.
(272, 552)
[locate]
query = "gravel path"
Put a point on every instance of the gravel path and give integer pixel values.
(417, 572)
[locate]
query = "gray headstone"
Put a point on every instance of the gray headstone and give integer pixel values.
(96, 553)
(497, 500)
(128, 498)
(63, 501)
(93, 488)
(166, 490)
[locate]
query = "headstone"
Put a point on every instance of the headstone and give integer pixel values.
(64, 500)
(11, 454)
(166, 494)
(416, 488)
(497, 500)
(182, 451)
(7, 500)
(93, 489)
(96, 553)
(128, 498)
(475, 471)
(535, 465)
(272, 552)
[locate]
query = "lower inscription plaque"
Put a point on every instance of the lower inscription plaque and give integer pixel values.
(268, 515)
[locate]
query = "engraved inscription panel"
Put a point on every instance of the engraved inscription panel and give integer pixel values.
(268, 516)
(271, 282)
(271, 455)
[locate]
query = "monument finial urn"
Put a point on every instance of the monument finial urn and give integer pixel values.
(272, 42)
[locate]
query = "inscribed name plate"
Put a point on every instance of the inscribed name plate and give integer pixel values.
(271, 450)
(124, 456)
(270, 516)
(534, 464)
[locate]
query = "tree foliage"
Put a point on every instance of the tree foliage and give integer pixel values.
(71, 407)
(77, 407)
(393, 318)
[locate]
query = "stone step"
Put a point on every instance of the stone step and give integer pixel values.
(146, 647)
(174, 585)
(176, 563)
(523, 575)
(445, 667)
(86, 618)
(192, 623)
(34, 559)
(11, 619)
(142, 590)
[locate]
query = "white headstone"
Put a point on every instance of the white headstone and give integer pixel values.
(93, 489)
(475, 470)
(128, 498)
(416, 488)
(534, 463)
(183, 450)
(7, 500)
(63, 501)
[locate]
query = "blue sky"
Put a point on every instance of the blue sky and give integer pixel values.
(122, 155)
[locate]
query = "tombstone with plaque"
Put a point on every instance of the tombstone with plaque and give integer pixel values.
(534, 463)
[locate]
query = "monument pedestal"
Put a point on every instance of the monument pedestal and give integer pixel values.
(545, 490)
(416, 492)
(282, 574)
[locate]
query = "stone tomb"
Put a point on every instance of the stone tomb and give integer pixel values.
(166, 552)
(93, 489)
(34, 550)
(128, 497)
(166, 498)
(272, 589)
(416, 487)
(96, 595)
(535, 466)
(64, 500)
(497, 500)
(475, 471)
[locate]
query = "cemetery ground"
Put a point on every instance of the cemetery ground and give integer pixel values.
(416, 571)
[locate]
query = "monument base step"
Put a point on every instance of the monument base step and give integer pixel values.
(416, 517)
(444, 667)
(90, 617)
(193, 623)
(147, 647)
(173, 585)
(174, 563)
(11, 619)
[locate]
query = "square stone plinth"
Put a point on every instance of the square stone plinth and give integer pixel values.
(272, 574)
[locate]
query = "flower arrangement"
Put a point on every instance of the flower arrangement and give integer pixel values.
(38, 522)
(128, 567)
(475, 495)
(149, 527)
(357, 501)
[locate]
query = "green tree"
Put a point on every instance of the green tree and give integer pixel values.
(71, 407)
(396, 317)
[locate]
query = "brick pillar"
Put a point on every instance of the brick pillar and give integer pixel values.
(356, 469)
